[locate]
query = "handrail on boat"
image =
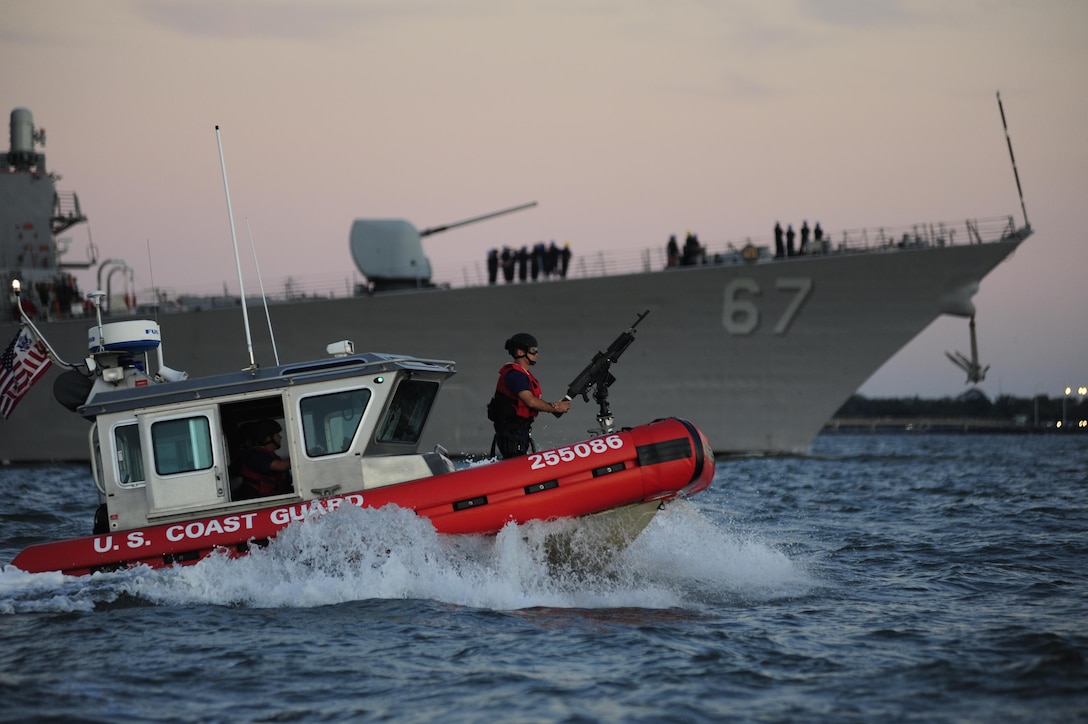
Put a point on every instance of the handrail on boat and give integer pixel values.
(91, 434)
(383, 364)
(203, 388)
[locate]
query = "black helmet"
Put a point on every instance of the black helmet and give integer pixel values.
(521, 340)
(262, 431)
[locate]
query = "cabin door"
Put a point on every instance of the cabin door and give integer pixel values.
(188, 463)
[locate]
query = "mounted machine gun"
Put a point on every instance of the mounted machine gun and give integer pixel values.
(598, 376)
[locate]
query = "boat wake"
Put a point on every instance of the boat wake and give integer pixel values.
(681, 560)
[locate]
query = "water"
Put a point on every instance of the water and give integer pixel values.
(908, 578)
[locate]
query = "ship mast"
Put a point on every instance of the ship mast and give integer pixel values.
(1012, 158)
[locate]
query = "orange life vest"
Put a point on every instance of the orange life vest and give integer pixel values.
(271, 483)
(520, 409)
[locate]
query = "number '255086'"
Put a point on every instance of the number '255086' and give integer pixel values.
(581, 450)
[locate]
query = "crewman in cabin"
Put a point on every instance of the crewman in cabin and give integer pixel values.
(263, 471)
(517, 399)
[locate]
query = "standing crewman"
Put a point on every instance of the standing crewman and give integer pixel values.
(517, 399)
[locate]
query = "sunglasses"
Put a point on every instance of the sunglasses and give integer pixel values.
(534, 350)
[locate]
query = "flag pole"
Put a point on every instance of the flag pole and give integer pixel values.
(16, 287)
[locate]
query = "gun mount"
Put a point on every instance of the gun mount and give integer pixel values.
(598, 376)
(389, 252)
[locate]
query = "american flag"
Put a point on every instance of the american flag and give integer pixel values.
(24, 361)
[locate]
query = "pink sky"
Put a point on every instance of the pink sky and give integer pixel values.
(626, 120)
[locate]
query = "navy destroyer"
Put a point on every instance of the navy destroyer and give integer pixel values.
(755, 347)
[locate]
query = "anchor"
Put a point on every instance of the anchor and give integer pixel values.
(975, 372)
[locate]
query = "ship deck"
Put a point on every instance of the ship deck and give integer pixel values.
(615, 262)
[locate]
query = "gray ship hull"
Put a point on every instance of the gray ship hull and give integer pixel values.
(759, 355)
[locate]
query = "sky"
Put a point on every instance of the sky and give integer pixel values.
(626, 120)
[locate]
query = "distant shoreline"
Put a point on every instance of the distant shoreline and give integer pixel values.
(971, 412)
(893, 426)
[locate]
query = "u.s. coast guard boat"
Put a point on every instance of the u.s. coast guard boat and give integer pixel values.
(166, 452)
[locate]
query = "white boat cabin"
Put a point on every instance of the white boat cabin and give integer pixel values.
(170, 451)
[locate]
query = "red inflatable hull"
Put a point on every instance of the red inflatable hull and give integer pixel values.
(655, 462)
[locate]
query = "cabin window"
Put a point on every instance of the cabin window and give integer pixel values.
(182, 446)
(408, 411)
(129, 454)
(329, 422)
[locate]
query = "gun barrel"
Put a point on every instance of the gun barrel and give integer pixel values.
(597, 371)
(624, 340)
(474, 219)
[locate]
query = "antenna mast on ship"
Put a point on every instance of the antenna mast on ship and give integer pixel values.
(1012, 158)
(976, 372)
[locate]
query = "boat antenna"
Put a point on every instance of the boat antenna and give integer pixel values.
(237, 261)
(1012, 158)
(264, 299)
(151, 274)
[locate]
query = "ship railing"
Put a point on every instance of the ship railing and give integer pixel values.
(66, 211)
(66, 204)
(846, 241)
(634, 260)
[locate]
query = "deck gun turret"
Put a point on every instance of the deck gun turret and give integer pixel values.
(389, 252)
(598, 375)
